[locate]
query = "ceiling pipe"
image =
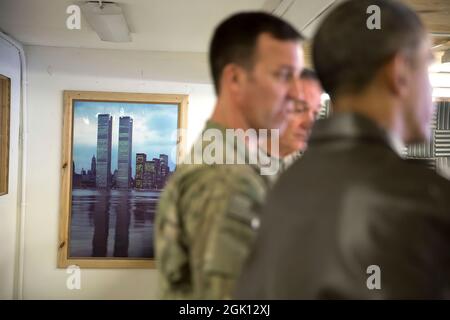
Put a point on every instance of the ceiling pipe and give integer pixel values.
(278, 7)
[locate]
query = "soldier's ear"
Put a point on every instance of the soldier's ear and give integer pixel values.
(233, 78)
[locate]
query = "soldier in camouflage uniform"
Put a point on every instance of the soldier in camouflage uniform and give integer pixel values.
(208, 213)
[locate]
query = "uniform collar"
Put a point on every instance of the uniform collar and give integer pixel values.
(351, 125)
(243, 154)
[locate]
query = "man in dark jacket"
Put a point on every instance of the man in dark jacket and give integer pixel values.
(352, 219)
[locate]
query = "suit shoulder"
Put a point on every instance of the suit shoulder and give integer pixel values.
(418, 171)
(411, 181)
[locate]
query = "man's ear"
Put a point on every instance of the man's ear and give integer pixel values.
(395, 75)
(233, 78)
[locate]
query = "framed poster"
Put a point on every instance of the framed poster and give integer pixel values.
(119, 149)
(5, 107)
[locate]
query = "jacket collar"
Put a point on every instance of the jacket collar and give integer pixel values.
(348, 125)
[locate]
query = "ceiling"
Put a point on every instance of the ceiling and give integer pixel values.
(180, 25)
(156, 25)
(434, 13)
(436, 16)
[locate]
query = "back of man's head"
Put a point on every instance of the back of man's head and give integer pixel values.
(347, 54)
(235, 39)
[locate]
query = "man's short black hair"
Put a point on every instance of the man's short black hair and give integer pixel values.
(234, 40)
(347, 54)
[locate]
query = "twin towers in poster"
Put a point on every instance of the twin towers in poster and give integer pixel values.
(150, 174)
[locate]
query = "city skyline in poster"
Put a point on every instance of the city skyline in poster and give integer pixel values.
(153, 131)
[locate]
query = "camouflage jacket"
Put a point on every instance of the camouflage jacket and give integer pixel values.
(206, 222)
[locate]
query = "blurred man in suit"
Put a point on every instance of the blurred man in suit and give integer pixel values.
(353, 219)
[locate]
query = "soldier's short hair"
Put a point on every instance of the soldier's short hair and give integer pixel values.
(347, 54)
(234, 40)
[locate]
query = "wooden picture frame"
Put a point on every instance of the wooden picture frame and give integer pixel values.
(105, 217)
(5, 109)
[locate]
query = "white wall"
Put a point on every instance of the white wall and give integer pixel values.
(50, 71)
(10, 67)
